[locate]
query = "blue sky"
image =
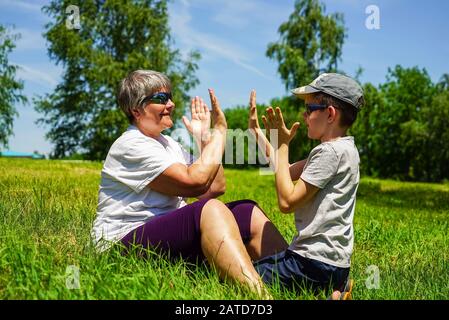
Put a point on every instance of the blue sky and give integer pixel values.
(232, 37)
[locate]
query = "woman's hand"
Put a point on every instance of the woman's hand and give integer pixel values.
(200, 124)
(218, 117)
(276, 121)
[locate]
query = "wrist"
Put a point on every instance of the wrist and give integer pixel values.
(283, 146)
(205, 137)
(221, 129)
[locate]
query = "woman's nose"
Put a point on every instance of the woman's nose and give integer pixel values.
(170, 104)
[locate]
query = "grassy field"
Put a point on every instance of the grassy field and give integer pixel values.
(47, 209)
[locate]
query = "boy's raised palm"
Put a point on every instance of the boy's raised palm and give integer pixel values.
(276, 121)
(253, 121)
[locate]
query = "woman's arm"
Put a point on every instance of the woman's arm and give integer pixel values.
(197, 179)
(218, 186)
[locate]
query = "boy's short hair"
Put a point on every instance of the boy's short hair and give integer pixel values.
(338, 90)
(348, 112)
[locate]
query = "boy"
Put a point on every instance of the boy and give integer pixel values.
(323, 199)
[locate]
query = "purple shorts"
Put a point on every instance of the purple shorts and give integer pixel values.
(178, 232)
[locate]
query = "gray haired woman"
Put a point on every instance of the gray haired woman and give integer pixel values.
(147, 176)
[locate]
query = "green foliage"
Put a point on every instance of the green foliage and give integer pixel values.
(238, 137)
(10, 88)
(115, 38)
(402, 130)
(310, 43)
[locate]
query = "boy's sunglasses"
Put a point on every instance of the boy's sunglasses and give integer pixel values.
(158, 97)
(313, 107)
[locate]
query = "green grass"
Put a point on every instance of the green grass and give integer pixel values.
(47, 209)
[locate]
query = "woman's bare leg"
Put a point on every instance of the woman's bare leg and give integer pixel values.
(266, 239)
(223, 246)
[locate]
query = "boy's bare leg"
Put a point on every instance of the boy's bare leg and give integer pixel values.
(266, 239)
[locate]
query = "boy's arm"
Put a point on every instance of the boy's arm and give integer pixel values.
(291, 196)
(256, 131)
(296, 169)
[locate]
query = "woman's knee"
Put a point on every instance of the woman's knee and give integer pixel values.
(216, 208)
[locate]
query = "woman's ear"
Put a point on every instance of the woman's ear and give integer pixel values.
(136, 114)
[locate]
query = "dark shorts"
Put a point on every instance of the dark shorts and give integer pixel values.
(177, 233)
(293, 271)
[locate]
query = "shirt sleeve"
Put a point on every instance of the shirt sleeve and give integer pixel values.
(321, 166)
(142, 162)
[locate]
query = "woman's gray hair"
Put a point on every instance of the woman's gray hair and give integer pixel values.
(138, 85)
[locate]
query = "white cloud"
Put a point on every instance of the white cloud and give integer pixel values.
(29, 39)
(212, 45)
(237, 14)
(22, 5)
(48, 78)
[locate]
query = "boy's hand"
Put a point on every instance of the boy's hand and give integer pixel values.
(254, 127)
(253, 121)
(276, 121)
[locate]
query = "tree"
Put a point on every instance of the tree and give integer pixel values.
(402, 130)
(436, 154)
(10, 88)
(368, 131)
(443, 84)
(114, 38)
(310, 43)
(408, 92)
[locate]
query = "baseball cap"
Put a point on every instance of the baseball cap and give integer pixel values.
(334, 84)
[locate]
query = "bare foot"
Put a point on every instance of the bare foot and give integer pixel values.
(336, 295)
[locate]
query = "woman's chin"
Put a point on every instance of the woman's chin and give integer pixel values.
(168, 124)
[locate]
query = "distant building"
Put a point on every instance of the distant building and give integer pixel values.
(14, 154)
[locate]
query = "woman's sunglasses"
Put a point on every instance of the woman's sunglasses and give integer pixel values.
(158, 97)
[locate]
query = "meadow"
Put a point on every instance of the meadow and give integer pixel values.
(47, 208)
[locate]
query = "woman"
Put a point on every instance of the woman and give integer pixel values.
(147, 175)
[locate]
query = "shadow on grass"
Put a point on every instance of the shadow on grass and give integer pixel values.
(405, 196)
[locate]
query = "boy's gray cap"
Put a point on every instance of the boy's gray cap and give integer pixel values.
(337, 85)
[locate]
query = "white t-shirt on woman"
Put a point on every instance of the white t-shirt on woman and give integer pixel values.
(125, 201)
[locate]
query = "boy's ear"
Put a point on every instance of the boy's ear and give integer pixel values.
(332, 114)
